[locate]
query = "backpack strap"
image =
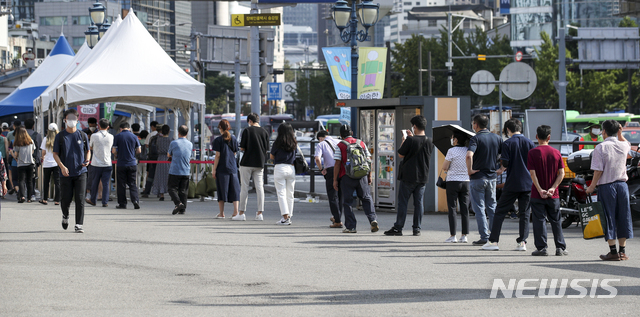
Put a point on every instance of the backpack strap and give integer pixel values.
(331, 145)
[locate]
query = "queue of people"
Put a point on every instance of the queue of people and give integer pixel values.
(471, 166)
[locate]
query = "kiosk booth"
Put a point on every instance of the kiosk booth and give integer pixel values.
(380, 125)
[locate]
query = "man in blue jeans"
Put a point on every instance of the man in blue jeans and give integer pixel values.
(482, 160)
(415, 152)
(126, 146)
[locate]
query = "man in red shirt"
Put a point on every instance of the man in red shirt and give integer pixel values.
(547, 171)
(348, 184)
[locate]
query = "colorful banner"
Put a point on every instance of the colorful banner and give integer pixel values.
(339, 64)
(371, 68)
(109, 110)
(88, 111)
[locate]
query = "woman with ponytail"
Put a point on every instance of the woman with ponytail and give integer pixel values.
(50, 167)
(225, 170)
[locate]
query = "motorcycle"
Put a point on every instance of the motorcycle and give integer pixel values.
(574, 192)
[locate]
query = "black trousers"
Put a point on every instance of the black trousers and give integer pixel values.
(458, 191)
(25, 176)
(127, 177)
(335, 196)
(507, 200)
(48, 173)
(542, 209)
(149, 183)
(178, 188)
(73, 187)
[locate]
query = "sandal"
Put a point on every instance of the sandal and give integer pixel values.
(219, 217)
(56, 203)
(43, 202)
(21, 200)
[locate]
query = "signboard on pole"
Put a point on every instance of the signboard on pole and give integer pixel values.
(262, 19)
(339, 64)
(274, 91)
(88, 111)
(345, 114)
(505, 6)
(289, 88)
(371, 69)
(109, 110)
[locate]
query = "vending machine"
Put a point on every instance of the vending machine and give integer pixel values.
(377, 131)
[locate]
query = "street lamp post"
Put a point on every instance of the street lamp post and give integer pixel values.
(99, 25)
(346, 20)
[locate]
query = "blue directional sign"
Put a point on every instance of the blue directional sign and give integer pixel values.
(274, 91)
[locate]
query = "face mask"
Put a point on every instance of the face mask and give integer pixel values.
(452, 142)
(93, 129)
(72, 123)
(595, 131)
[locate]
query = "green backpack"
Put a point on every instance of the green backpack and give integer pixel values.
(357, 164)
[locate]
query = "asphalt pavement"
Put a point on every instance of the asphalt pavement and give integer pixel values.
(149, 263)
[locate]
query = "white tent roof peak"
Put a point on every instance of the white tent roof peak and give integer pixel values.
(129, 66)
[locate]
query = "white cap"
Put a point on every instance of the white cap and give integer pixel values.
(53, 126)
(5, 125)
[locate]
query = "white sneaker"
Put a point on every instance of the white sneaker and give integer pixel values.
(259, 217)
(452, 239)
(239, 218)
(491, 246)
(463, 239)
(284, 222)
(521, 246)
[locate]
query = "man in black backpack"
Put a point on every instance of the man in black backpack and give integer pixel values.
(415, 151)
(349, 175)
(152, 155)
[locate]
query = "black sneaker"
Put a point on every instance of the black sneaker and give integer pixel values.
(416, 232)
(374, 226)
(542, 252)
(121, 207)
(480, 242)
(561, 252)
(65, 222)
(136, 205)
(183, 208)
(393, 232)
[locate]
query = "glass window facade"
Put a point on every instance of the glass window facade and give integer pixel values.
(81, 20)
(78, 41)
(587, 13)
(47, 21)
(527, 26)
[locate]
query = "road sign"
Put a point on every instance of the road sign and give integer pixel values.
(274, 91)
(482, 57)
(345, 113)
(518, 80)
(518, 56)
(289, 88)
(28, 56)
(262, 19)
(482, 82)
(448, 64)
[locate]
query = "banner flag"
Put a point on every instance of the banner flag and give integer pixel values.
(371, 70)
(339, 64)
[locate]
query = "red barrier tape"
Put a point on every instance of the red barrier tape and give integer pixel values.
(167, 162)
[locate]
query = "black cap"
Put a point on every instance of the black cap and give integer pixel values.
(345, 128)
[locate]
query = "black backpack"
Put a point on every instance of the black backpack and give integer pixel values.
(153, 149)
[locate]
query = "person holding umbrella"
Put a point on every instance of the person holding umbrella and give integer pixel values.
(452, 140)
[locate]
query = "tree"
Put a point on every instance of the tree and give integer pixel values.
(316, 91)
(627, 22)
(216, 87)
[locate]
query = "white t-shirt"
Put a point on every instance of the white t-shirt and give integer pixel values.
(49, 161)
(458, 172)
(101, 142)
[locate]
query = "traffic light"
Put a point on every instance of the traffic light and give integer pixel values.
(266, 47)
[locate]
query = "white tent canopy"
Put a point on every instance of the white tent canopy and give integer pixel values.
(129, 66)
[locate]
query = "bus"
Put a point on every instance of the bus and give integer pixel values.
(577, 122)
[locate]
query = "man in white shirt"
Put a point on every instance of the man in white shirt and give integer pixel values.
(101, 144)
(325, 150)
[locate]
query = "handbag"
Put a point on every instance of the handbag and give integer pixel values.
(594, 223)
(192, 185)
(441, 182)
(300, 163)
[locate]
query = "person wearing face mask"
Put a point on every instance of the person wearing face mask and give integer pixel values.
(415, 151)
(93, 127)
(515, 152)
(595, 135)
(457, 178)
(71, 152)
